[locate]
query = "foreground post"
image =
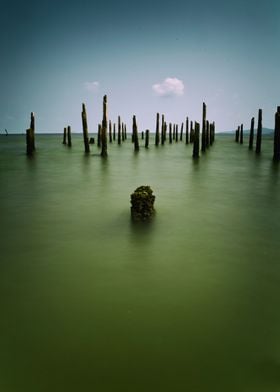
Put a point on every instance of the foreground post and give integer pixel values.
(104, 153)
(259, 133)
(276, 155)
(142, 203)
(251, 138)
(85, 129)
(196, 140)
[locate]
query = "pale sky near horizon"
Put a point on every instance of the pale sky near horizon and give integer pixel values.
(147, 56)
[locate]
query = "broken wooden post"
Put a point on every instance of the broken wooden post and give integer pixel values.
(251, 137)
(119, 130)
(181, 131)
(135, 134)
(276, 155)
(64, 135)
(241, 134)
(104, 152)
(259, 133)
(146, 138)
(196, 140)
(110, 132)
(157, 131)
(142, 203)
(85, 129)
(187, 130)
(69, 137)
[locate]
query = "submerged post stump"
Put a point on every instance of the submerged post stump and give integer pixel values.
(142, 203)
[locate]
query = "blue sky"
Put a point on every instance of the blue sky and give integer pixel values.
(147, 56)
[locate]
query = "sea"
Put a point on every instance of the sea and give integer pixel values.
(92, 301)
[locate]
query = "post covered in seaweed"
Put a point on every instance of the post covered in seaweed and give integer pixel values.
(104, 129)
(85, 129)
(259, 133)
(142, 203)
(276, 155)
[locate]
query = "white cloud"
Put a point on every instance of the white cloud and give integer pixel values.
(92, 86)
(169, 87)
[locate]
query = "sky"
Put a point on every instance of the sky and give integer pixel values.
(147, 56)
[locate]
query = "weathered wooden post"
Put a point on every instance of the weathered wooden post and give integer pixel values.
(29, 145)
(203, 133)
(146, 138)
(123, 136)
(99, 136)
(241, 134)
(176, 133)
(187, 130)
(114, 131)
(170, 133)
(251, 137)
(162, 129)
(276, 155)
(119, 131)
(85, 129)
(142, 135)
(191, 133)
(237, 134)
(196, 140)
(259, 133)
(135, 133)
(157, 131)
(207, 134)
(32, 127)
(64, 135)
(181, 131)
(104, 152)
(69, 137)
(110, 132)
(212, 133)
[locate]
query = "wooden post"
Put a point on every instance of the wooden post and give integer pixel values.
(69, 137)
(147, 138)
(135, 133)
(157, 131)
(259, 133)
(276, 155)
(114, 132)
(203, 134)
(32, 127)
(176, 133)
(104, 153)
(170, 133)
(212, 133)
(207, 142)
(64, 135)
(142, 135)
(110, 132)
(119, 130)
(181, 131)
(85, 129)
(123, 137)
(191, 133)
(29, 145)
(187, 130)
(162, 129)
(251, 138)
(237, 134)
(241, 134)
(196, 140)
(99, 136)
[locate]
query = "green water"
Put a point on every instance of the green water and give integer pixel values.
(91, 302)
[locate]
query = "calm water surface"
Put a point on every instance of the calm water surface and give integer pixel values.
(91, 302)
